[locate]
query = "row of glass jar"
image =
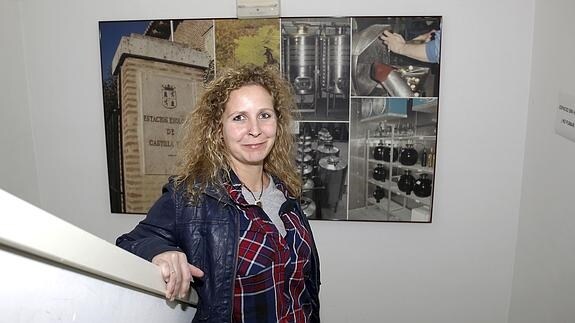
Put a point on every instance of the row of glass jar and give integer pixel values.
(407, 183)
(407, 155)
(401, 129)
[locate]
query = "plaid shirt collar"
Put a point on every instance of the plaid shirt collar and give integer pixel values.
(234, 188)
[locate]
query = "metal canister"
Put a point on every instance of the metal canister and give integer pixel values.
(305, 139)
(304, 147)
(324, 136)
(322, 133)
(332, 173)
(305, 169)
(327, 149)
(338, 61)
(308, 207)
(306, 158)
(301, 59)
(307, 187)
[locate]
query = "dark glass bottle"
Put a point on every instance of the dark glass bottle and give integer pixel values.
(406, 182)
(408, 156)
(378, 194)
(378, 153)
(424, 157)
(379, 173)
(387, 151)
(422, 186)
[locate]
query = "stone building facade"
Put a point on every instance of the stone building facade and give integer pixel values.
(159, 82)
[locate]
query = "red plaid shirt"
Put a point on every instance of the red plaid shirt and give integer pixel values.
(271, 269)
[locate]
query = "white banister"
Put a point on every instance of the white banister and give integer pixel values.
(26, 229)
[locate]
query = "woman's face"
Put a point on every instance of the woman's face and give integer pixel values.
(249, 126)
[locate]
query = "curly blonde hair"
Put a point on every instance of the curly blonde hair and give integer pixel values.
(203, 159)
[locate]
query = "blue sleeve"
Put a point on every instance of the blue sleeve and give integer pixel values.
(154, 234)
(432, 48)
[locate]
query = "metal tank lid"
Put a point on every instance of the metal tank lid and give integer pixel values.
(306, 149)
(306, 158)
(327, 149)
(332, 163)
(305, 169)
(308, 184)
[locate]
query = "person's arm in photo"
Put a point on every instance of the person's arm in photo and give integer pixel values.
(423, 48)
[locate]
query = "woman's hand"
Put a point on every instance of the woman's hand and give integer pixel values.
(176, 272)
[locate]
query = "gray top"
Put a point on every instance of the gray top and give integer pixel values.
(272, 200)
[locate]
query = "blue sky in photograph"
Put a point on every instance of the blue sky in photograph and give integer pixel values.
(110, 34)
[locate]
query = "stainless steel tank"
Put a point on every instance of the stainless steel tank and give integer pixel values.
(305, 170)
(326, 150)
(308, 207)
(338, 61)
(324, 136)
(304, 140)
(301, 59)
(304, 149)
(305, 158)
(332, 173)
(307, 187)
(304, 146)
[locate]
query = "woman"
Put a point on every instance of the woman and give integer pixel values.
(230, 221)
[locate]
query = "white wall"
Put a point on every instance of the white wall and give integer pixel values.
(17, 160)
(544, 284)
(457, 269)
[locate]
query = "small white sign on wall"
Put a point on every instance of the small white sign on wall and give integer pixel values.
(565, 119)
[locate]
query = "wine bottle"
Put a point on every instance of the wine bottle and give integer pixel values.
(431, 158)
(424, 157)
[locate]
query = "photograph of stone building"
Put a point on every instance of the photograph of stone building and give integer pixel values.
(155, 78)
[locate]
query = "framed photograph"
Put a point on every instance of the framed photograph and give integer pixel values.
(366, 90)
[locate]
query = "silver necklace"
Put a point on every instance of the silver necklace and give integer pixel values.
(258, 200)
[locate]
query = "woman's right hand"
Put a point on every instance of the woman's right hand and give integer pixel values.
(176, 272)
